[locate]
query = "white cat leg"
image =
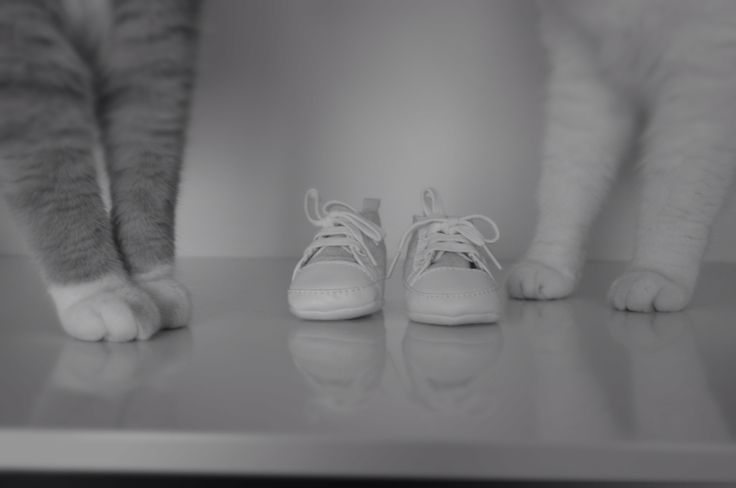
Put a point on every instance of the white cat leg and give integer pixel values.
(688, 167)
(588, 130)
(109, 308)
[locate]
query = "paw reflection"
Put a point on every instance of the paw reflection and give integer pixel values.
(571, 403)
(550, 326)
(112, 385)
(341, 361)
(648, 332)
(671, 397)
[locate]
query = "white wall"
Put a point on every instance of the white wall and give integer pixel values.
(370, 98)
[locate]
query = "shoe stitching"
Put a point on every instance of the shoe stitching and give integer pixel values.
(328, 291)
(344, 263)
(446, 296)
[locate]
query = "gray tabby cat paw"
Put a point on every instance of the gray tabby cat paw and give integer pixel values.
(642, 290)
(118, 315)
(172, 300)
(532, 280)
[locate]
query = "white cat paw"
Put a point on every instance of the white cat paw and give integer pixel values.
(119, 314)
(172, 300)
(532, 280)
(642, 290)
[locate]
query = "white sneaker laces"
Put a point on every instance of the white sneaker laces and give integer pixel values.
(340, 226)
(449, 235)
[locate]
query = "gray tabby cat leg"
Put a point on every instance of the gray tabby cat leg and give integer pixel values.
(587, 132)
(48, 179)
(145, 112)
(687, 170)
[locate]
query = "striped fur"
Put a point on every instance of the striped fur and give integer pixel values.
(76, 74)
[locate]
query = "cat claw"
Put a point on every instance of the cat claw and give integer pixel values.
(642, 290)
(532, 280)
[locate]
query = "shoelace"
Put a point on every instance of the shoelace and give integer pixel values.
(449, 234)
(340, 226)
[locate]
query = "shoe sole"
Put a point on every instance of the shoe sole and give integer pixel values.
(339, 313)
(466, 319)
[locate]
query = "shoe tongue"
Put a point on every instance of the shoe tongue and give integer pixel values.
(448, 259)
(334, 253)
(451, 260)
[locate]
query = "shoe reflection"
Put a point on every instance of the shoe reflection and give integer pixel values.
(341, 361)
(671, 398)
(451, 369)
(571, 402)
(112, 385)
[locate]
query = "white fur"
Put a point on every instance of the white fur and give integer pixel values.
(109, 309)
(170, 296)
(670, 64)
(65, 296)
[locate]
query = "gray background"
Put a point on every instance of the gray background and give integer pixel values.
(370, 98)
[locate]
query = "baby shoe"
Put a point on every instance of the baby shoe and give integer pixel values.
(342, 272)
(447, 273)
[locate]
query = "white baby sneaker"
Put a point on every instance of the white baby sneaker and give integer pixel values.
(447, 273)
(342, 272)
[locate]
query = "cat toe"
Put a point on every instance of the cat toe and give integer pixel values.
(647, 291)
(172, 300)
(532, 280)
(118, 315)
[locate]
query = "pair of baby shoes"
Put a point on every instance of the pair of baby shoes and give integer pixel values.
(447, 275)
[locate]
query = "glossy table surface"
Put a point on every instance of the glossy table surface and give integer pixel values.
(565, 389)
